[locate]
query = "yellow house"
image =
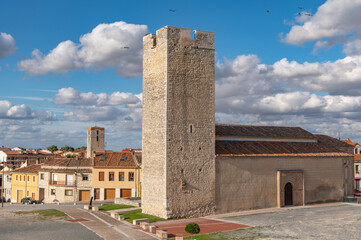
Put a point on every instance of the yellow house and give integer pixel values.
(116, 174)
(24, 183)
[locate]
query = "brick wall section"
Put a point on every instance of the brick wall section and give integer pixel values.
(251, 182)
(178, 123)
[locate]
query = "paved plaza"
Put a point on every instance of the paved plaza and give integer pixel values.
(340, 221)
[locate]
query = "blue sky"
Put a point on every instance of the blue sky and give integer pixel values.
(288, 66)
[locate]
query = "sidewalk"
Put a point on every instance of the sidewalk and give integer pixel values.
(268, 210)
(105, 226)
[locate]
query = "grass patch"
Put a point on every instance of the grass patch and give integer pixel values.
(137, 214)
(239, 234)
(108, 207)
(44, 214)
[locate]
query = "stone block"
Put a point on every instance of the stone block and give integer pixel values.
(120, 217)
(95, 208)
(152, 229)
(178, 238)
(144, 225)
(162, 234)
(86, 207)
(138, 221)
(113, 215)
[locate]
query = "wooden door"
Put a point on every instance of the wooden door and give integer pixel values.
(33, 195)
(41, 193)
(19, 195)
(109, 194)
(84, 195)
(125, 192)
(288, 194)
(96, 193)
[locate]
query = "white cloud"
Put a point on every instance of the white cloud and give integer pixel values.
(18, 112)
(92, 113)
(116, 45)
(7, 45)
(333, 18)
(71, 96)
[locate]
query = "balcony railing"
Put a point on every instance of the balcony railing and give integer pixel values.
(61, 183)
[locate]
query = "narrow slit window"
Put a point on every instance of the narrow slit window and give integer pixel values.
(190, 128)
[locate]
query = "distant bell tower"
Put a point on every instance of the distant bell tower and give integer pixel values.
(178, 126)
(95, 140)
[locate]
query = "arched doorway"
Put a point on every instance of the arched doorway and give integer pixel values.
(288, 194)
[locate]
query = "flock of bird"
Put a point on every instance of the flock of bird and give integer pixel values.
(268, 11)
(299, 14)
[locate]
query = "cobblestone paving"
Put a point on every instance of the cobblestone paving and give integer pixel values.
(323, 222)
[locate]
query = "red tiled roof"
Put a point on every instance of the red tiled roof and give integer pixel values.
(115, 159)
(68, 162)
(350, 142)
(262, 131)
(357, 157)
(29, 169)
(66, 170)
(321, 145)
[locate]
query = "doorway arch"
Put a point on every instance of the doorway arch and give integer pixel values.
(288, 194)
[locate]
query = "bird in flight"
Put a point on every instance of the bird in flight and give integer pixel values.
(126, 47)
(300, 7)
(267, 11)
(172, 10)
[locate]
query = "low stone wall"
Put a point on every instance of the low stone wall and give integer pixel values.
(132, 201)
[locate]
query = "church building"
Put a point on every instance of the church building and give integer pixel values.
(195, 167)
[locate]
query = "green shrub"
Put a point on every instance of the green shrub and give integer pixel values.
(192, 228)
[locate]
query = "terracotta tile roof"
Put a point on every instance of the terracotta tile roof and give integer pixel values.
(68, 162)
(333, 142)
(65, 170)
(322, 146)
(350, 142)
(29, 169)
(262, 131)
(115, 159)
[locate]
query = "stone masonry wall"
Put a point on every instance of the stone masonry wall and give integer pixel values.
(92, 143)
(249, 183)
(178, 124)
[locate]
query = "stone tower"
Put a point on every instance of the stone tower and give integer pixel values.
(95, 140)
(178, 137)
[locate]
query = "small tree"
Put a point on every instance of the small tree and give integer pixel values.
(69, 156)
(67, 149)
(192, 228)
(53, 148)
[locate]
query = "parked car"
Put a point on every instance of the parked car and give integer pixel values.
(30, 200)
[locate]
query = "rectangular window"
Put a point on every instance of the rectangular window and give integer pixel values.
(68, 192)
(33, 178)
(101, 176)
(131, 176)
(42, 176)
(85, 177)
(121, 176)
(52, 191)
(111, 176)
(55, 178)
(28, 178)
(357, 169)
(27, 193)
(17, 178)
(20, 177)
